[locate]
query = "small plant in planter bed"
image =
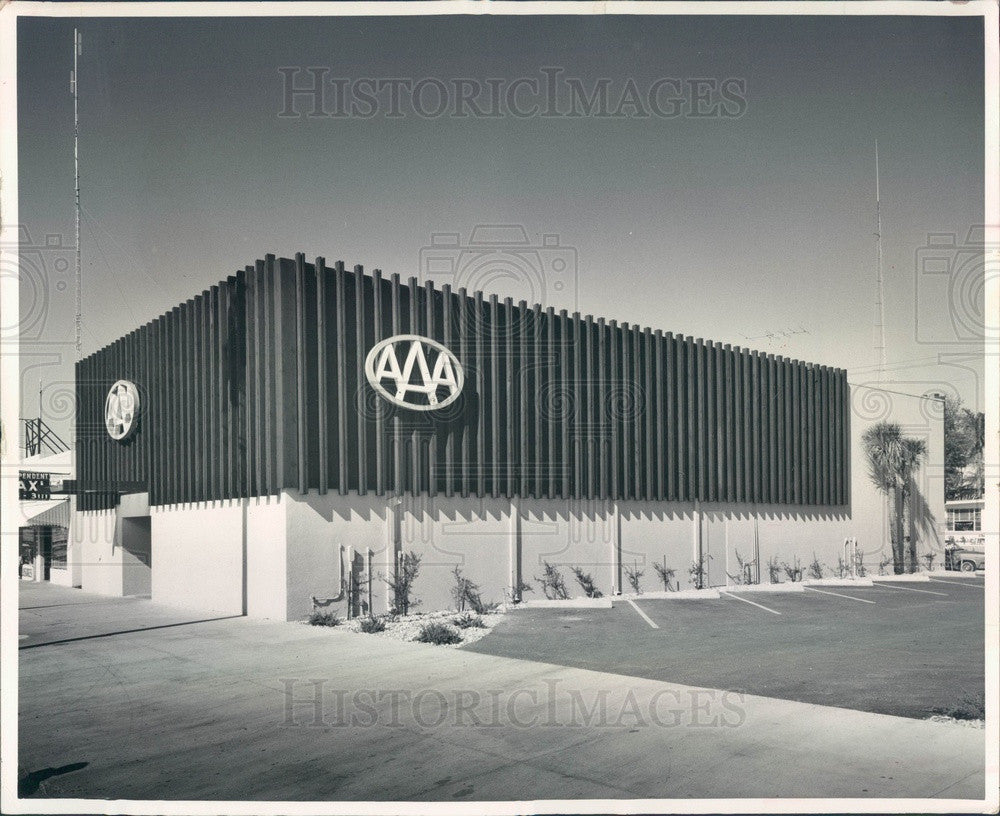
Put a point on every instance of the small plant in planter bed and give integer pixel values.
(587, 583)
(465, 593)
(467, 620)
(632, 576)
(815, 568)
(372, 625)
(774, 570)
(439, 634)
(793, 571)
(666, 574)
(321, 618)
(552, 583)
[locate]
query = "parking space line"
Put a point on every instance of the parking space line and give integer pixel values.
(839, 595)
(911, 589)
(958, 583)
(642, 614)
(752, 603)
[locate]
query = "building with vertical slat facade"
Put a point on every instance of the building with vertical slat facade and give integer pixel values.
(265, 466)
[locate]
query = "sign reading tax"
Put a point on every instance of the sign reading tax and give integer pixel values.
(414, 372)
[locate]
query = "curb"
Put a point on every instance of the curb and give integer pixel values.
(569, 603)
(911, 576)
(785, 586)
(662, 595)
(841, 582)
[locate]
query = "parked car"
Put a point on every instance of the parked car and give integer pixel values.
(966, 560)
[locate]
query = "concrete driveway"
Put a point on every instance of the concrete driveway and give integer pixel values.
(125, 699)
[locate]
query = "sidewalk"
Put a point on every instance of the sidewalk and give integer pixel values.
(238, 709)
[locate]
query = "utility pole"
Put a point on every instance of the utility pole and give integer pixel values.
(74, 87)
(879, 318)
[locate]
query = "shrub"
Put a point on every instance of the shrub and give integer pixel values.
(885, 562)
(372, 624)
(439, 634)
(773, 570)
(815, 568)
(745, 574)
(666, 574)
(518, 592)
(929, 559)
(401, 584)
(860, 570)
(552, 583)
(967, 707)
(586, 582)
(321, 618)
(465, 592)
(842, 568)
(632, 576)
(793, 571)
(697, 573)
(467, 620)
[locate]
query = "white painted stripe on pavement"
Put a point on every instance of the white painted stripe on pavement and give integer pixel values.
(958, 583)
(839, 595)
(642, 614)
(752, 603)
(911, 589)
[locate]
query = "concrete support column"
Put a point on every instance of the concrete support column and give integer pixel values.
(391, 543)
(514, 550)
(616, 549)
(696, 546)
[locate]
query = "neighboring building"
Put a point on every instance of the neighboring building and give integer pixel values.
(964, 525)
(46, 516)
(263, 443)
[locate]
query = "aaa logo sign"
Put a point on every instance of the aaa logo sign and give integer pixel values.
(428, 378)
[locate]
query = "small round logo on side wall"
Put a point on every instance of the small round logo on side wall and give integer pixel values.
(121, 410)
(415, 372)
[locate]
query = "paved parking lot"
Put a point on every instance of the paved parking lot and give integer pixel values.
(126, 699)
(894, 648)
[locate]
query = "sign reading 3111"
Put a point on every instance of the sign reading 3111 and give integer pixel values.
(32, 485)
(430, 376)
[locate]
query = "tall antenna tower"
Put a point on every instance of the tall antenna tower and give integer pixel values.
(74, 87)
(878, 329)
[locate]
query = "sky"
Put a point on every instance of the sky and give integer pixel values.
(752, 225)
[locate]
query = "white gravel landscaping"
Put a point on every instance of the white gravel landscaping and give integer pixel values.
(408, 627)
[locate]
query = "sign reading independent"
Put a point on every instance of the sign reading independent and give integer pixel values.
(32, 485)
(429, 376)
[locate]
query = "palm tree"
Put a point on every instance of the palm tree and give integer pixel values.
(893, 459)
(913, 455)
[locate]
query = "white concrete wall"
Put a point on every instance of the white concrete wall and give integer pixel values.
(651, 532)
(472, 534)
(320, 529)
(266, 538)
(74, 553)
(198, 556)
(98, 540)
(60, 577)
(567, 534)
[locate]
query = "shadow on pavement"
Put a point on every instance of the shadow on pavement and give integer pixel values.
(28, 785)
(125, 632)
